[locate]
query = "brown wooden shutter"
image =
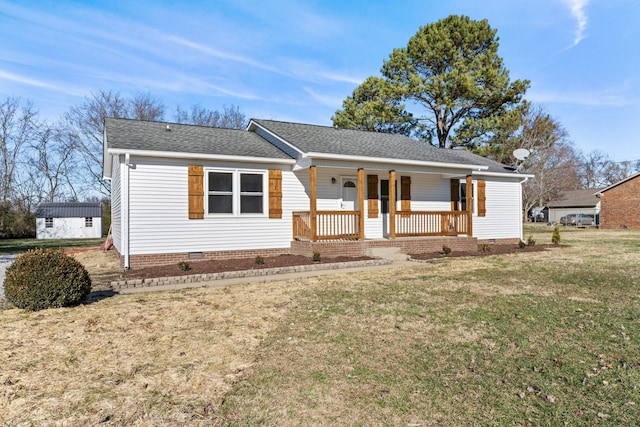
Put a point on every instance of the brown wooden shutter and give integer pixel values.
(372, 195)
(482, 197)
(405, 193)
(275, 193)
(196, 192)
(455, 195)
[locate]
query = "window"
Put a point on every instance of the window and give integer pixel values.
(88, 222)
(235, 192)
(48, 222)
(251, 193)
(463, 195)
(220, 192)
(459, 196)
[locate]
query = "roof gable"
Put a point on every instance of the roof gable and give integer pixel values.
(629, 178)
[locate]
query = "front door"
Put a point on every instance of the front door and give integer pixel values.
(349, 194)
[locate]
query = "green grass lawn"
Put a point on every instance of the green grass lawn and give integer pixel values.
(17, 246)
(550, 338)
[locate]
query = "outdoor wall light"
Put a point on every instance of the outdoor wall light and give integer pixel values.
(333, 180)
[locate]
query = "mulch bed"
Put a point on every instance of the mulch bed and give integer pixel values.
(217, 266)
(495, 250)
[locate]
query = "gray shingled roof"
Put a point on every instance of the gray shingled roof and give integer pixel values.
(68, 210)
(347, 142)
(153, 136)
(139, 135)
(575, 199)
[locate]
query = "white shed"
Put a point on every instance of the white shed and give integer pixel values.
(69, 221)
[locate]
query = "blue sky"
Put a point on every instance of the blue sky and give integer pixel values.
(297, 60)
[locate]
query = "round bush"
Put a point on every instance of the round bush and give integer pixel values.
(46, 278)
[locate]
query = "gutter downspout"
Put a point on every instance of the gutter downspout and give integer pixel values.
(526, 178)
(125, 212)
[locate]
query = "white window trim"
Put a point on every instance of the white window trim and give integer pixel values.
(235, 189)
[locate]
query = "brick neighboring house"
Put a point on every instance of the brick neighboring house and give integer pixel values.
(620, 204)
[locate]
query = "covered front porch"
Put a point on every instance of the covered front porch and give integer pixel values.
(344, 225)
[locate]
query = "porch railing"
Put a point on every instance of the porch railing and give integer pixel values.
(330, 225)
(336, 225)
(428, 223)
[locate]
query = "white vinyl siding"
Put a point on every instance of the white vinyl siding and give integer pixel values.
(116, 197)
(504, 212)
(159, 221)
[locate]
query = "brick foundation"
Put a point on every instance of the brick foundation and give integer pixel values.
(407, 245)
(150, 260)
(329, 249)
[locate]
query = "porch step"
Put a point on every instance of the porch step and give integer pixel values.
(389, 253)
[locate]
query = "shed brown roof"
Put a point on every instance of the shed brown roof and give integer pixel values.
(575, 199)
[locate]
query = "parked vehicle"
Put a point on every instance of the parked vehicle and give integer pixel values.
(577, 220)
(538, 214)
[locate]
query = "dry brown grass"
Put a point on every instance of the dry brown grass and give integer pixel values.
(103, 266)
(153, 359)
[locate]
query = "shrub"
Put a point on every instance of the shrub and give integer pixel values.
(531, 241)
(184, 266)
(259, 260)
(522, 244)
(486, 247)
(316, 256)
(555, 237)
(446, 250)
(46, 278)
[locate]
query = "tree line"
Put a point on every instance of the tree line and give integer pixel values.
(45, 161)
(449, 87)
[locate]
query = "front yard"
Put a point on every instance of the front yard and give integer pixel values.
(541, 338)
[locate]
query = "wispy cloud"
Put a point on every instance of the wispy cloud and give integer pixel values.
(323, 99)
(207, 50)
(577, 8)
(604, 98)
(5, 75)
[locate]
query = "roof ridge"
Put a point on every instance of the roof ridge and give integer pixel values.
(334, 128)
(164, 122)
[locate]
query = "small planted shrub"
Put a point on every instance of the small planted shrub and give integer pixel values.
(522, 244)
(531, 241)
(446, 250)
(259, 260)
(46, 278)
(555, 237)
(316, 256)
(486, 247)
(184, 266)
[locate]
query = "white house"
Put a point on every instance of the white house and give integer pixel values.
(183, 192)
(69, 220)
